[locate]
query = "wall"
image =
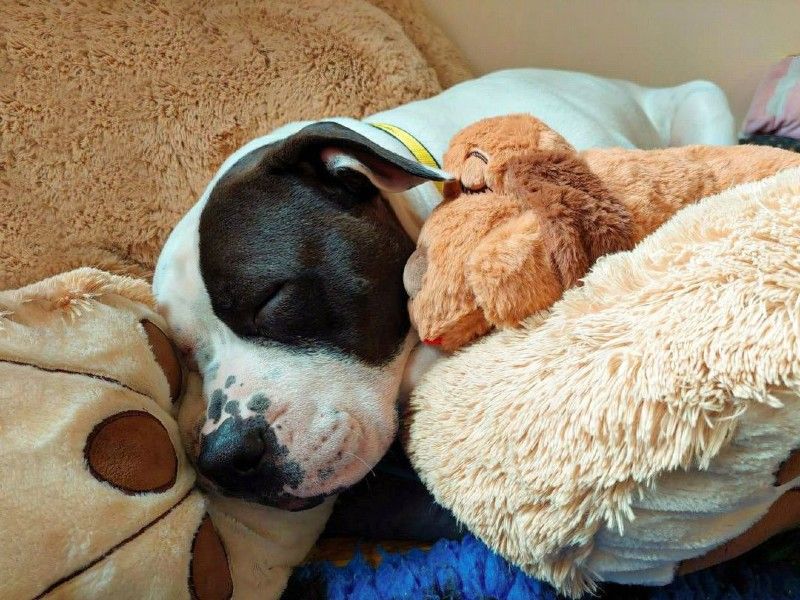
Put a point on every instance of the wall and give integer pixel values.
(654, 42)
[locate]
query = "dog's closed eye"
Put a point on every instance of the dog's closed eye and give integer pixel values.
(270, 300)
(466, 190)
(473, 173)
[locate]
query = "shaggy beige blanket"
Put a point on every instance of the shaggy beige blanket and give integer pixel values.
(114, 116)
(642, 420)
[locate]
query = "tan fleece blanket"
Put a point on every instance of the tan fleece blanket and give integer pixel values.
(642, 420)
(113, 116)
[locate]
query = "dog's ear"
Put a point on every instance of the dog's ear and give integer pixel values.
(346, 155)
(511, 272)
(385, 170)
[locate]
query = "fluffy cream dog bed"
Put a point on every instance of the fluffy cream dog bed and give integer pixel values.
(640, 422)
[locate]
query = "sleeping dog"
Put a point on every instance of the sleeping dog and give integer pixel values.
(284, 283)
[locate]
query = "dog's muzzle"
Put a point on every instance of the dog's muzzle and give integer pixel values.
(243, 459)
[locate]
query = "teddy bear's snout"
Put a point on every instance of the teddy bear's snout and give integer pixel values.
(414, 271)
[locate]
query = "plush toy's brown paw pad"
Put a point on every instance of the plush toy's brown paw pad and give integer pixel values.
(790, 469)
(209, 573)
(166, 357)
(133, 452)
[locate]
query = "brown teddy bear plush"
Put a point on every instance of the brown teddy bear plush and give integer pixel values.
(98, 497)
(527, 215)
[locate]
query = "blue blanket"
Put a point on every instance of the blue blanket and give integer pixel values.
(467, 570)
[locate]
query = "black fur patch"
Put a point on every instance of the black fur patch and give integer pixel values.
(291, 254)
(232, 408)
(258, 403)
(325, 473)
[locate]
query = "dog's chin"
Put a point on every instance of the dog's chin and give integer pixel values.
(295, 504)
(286, 502)
(283, 502)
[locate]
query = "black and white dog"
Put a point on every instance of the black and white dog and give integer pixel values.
(285, 281)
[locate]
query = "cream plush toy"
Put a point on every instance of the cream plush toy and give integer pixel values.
(645, 424)
(98, 499)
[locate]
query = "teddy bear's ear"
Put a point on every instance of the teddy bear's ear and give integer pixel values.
(568, 239)
(588, 222)
(567, 253)
(584, 219)
(511, 273)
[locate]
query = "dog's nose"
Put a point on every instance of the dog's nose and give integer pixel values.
(231, 454)
(244, 459)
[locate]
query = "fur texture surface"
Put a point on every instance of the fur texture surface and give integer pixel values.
(640, 422)
(532, 215)
(74, 353)
(114, 117)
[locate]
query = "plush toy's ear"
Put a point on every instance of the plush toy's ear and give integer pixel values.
(563, 241)
(585, 220)
(586, 224)
(511, 273)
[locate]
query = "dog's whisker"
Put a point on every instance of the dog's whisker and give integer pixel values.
(357, 457)
(357, 432)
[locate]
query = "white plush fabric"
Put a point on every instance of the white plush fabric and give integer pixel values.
(689, 513)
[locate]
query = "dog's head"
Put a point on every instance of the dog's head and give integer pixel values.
(284, 283)
(523, 223)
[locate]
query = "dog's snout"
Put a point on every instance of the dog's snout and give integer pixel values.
(234, 451)
(244, 459)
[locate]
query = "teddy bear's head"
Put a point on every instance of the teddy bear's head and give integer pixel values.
(478, 154)
(523, 222)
